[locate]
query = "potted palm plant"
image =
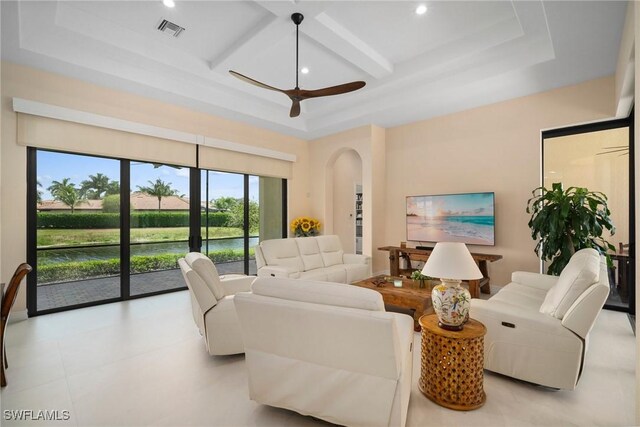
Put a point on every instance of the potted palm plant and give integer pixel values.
(566, 221)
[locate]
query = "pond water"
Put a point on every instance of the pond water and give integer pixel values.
(100, 253)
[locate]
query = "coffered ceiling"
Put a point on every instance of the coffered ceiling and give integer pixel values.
(458, 55)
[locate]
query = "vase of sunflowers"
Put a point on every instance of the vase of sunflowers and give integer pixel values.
(305, 226)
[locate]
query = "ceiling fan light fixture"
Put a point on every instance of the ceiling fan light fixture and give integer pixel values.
(421, 9)
(169, 3)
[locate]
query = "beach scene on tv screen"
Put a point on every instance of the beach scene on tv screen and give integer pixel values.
(466, 218)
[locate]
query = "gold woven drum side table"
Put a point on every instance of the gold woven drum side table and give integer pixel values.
(451, 364)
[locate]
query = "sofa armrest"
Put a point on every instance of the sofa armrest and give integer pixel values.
(356, 259)
(275, 271)
(584, 311)
(534, 280)
(234, 283)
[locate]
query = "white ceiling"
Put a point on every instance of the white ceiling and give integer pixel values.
(459, 55)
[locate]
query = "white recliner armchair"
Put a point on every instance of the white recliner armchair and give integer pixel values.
(327, 350)
(538, 325)
(212, 302)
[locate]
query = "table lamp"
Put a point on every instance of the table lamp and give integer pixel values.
(452, 263)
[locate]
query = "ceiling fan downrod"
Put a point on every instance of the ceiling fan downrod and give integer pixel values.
(297, 19)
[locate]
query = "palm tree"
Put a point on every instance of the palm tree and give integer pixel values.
(66, 192)
(158, 189)
(95, 186)
(113, 188)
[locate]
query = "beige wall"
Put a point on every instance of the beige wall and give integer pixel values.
(28, 83)
(369, 143)
(492, 148)
(347, 173)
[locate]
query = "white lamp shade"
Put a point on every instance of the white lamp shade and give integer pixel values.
(450, 260)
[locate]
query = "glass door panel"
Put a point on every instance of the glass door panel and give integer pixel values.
(222, 220)
(77, 231)
(159, 221)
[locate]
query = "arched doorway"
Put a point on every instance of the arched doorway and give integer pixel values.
(345, 181)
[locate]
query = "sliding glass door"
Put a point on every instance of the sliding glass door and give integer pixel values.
(104, 230)
(159, 221)
(238, 211)
(77, 230)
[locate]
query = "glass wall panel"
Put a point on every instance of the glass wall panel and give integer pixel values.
(599, 161)
(222, 219)
(78, 230)
(159, 226)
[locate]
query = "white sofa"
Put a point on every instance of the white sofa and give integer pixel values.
(538, 325)
(326, 350)
(212, 303)
(312, 258)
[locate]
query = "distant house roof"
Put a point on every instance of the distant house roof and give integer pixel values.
(139, 202)
(55, 205)
(144, 202)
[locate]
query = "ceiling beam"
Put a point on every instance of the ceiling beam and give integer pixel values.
(258, 39)
(328, 32)
(338, 39)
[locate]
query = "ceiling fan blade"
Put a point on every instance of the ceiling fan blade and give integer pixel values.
(333, 90)
(254, 82)
(295, 108)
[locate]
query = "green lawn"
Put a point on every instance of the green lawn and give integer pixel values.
(57, 237)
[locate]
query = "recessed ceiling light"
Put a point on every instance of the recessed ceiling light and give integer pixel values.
(421, 10)
(169, 3)
(304, 70)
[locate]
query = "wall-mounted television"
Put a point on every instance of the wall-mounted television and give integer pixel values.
(467, 218)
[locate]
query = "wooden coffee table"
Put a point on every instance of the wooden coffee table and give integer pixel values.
(409, 296)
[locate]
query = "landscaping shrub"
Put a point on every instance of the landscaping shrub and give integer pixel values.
(111, 203)
(138, 220)
(79, 270)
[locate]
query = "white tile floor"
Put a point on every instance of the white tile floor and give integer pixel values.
(143, 363)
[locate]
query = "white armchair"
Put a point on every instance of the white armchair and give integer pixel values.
(327, 350)
(538, 325)
(212, 303)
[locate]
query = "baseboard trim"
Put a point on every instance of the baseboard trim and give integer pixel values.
(18, 316)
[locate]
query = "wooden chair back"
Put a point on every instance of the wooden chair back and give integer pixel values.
(12, 290)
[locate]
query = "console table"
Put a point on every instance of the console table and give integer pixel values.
(396, 252)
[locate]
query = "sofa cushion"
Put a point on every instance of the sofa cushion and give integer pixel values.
(309, 252)
(283, 253)
(319, 293)
(331, 250)
(205, 268)
(336, 273)
(582, 271)
(318, 274)
(512, 296)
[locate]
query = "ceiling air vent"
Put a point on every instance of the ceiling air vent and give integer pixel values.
(170, 28)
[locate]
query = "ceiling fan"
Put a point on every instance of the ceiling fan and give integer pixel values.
(296, 95)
